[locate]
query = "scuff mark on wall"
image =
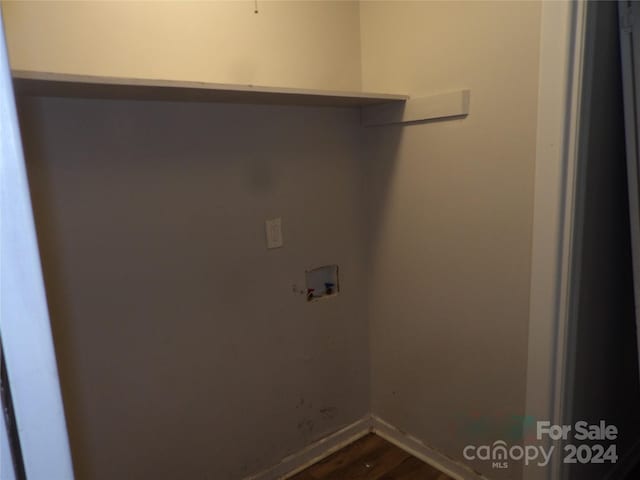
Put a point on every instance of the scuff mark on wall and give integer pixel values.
(328, 412)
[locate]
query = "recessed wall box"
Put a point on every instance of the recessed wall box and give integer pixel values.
(322, 282)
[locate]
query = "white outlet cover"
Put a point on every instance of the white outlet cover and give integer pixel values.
(273, 228)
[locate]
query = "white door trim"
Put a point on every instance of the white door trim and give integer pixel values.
(24, 318)
(562, 43)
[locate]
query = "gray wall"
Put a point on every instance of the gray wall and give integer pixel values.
(183, 351)
(606, 374)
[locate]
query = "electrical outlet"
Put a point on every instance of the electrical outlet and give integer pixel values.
(273, 227)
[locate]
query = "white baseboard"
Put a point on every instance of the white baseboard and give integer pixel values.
(425, 453)
(324, 447)
(315, 452)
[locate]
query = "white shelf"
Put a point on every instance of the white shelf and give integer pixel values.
(32, 83)
(442, 106)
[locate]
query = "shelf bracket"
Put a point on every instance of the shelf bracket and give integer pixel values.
(433, 107)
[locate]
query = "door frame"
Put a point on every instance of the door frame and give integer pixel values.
(25, 328)
(565, 43)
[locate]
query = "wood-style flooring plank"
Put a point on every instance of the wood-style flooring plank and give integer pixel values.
(372, 466)
(304, 475)
(414, 469)
(367, 445)
(371, 458)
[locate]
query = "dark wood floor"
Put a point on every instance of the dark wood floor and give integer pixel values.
(371, 458)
